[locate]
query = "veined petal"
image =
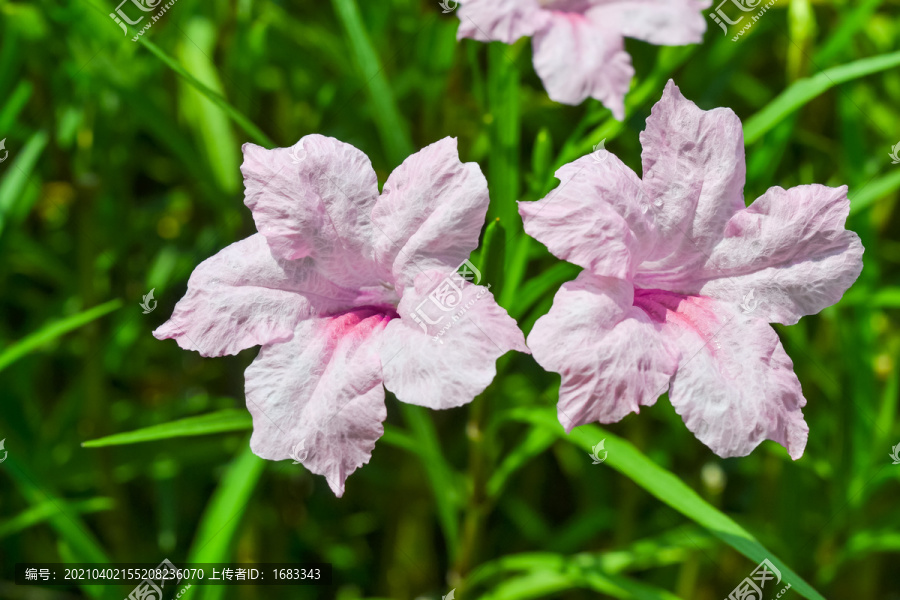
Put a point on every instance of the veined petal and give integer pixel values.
(694, 171)
(596, 218)
(790, 248)
(577, 58)
(318, 398)
(612, 358)
(441, 352)
(735, 386)
(430, 213)
(502, 20)
(238, 298)
(661, 22)
(315, 200)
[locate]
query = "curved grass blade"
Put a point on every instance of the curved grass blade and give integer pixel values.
(629, 461)
(237, 116)
(391, 125)
(804, 90)
(53, 330)
(217, 422)
(219, 526)
(40, 513)
(14, 203)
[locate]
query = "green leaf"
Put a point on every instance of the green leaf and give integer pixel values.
(222, 518)
(391, 125)
(35, 515)
(628, 460)
(804, 90)
(53, 330)
(211, 126)
(540, 285)
(492, 259)
(874, 190)
(237, 116)
(443, 479)
(217, 422)
(15, 203)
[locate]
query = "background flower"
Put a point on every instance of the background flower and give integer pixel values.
(579, 45)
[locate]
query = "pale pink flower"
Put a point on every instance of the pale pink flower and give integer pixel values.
(330, 286)
(681, 281)
(579, 45)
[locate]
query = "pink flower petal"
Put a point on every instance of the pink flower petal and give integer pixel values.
(596, 218)
(502, 20)
(450, 358)
(315, 200)
(319, 397)
(577, 58)
(237, 299)
(612, 358)
(791, 249)
(430, 213)
(661, 22)
(693, 162)
(735, 386)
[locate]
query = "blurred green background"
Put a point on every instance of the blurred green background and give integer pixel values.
(123, 174)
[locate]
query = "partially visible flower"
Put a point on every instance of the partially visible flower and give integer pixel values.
(328, 287)
(658, 305)
(579, 45)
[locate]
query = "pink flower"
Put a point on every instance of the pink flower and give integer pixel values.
(681, 281)
(337, 288)
(579, 45)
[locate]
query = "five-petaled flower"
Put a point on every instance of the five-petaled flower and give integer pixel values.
(327, 287)
(657, 306)
(579, 45)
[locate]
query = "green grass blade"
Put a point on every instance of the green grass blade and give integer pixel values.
(217, 422)
(804, 90)
(40, 513)
(53, 330)
(222, 518)
(391, 126)
(237, 116)
(875, 190)
(667, 487)
(14, 202)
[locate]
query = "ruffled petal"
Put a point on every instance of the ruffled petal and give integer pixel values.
(735, 386)
(612, 358)
(315, 200)
(430, 213)
(661, 22)
(790, 250)
(318, 398)
(577, 58)
(441, 353)
(694, 171)
(501, 20)
(238, 298)
(596, 218)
